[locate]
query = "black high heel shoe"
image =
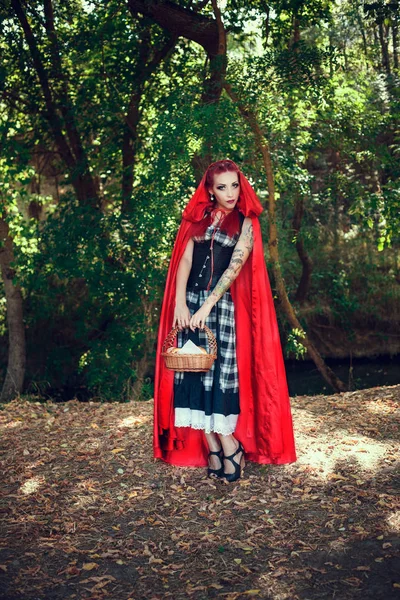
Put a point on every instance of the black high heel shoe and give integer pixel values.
(238, 465)
(217, 472)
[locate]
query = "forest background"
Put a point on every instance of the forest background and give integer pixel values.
(109, 114)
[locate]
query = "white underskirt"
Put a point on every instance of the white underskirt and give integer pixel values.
(197, 419)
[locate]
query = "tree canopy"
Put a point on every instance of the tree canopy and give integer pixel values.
(109, 114)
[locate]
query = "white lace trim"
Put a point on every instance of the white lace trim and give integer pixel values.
(197, 419)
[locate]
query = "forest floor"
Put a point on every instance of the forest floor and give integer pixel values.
(86, 512)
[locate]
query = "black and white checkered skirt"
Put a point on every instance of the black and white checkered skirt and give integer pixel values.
(210, 400)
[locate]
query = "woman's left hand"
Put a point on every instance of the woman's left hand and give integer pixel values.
(199, 317)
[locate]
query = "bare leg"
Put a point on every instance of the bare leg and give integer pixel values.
(214, 444)
(230, 445)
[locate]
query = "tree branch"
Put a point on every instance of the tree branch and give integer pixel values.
(263, 146)
(51, 115)
(77, 165)
(147, 65)
(179, 21)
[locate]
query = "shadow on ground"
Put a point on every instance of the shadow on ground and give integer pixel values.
(88, 514)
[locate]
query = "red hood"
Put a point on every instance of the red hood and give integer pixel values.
(265, 424)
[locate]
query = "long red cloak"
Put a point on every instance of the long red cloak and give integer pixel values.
(265, 423)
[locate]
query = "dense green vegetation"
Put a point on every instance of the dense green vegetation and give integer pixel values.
(109, 113)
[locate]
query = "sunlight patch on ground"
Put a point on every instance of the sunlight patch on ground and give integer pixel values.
(270, 585)
(339, 545)
(381, 408)
(31, 485)
(324, 452)
(90, 444)
(84, 501)
(93, 444)
(11, 425)
(393, 520)
(134, 420)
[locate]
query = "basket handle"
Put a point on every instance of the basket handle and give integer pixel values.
(170, 339)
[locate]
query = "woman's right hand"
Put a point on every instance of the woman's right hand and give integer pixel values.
(182, 316)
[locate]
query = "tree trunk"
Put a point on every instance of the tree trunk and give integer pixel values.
(360, 22)
(129, 140)
(180, 21)
(304, 284)
(395, 31)
(141, 368)
(57, 101)
(376, 43)
(66, 109)
(263, 147)
(212, 89)
(384, 47)
(148, 61)
(267, 27)
(296, 32)
(14, 380)
(209, 33)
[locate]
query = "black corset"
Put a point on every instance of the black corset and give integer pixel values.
(200, 273)
(207, 258)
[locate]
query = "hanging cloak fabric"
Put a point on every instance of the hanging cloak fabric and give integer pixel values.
(265, 423)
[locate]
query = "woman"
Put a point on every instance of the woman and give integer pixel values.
(217, 276)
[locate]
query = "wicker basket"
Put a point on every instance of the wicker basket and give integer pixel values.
(189, 362)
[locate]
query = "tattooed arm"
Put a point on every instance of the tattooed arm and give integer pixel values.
(239, 256)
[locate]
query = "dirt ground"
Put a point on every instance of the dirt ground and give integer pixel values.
(86, 512)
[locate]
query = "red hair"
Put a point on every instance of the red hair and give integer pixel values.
(231, 223)
(221, 166)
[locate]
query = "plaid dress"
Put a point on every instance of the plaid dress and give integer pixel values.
(210, 400)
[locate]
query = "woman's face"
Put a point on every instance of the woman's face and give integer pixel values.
(226, 189)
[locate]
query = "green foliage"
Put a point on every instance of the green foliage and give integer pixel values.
(93, 279)
(294, 345)
(98, 286)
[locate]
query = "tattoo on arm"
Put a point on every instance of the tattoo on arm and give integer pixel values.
(237, 256)
(236, 263)
(249, 238)
(229, 275)
(224, 283)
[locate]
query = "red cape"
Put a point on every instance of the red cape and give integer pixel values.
(265, 423)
